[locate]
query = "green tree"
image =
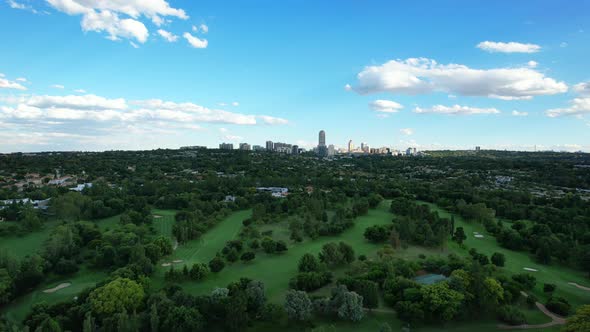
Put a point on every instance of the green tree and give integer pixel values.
(216, 264)
(580, 321)
(298, 306)
(459, 235)
(308, 263)
(351, 307)
(440, 302)
(154, 319)
(498, 259)
(119, 295)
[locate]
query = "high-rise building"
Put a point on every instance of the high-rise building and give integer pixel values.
(331, 150)
(295, 149)
(245, 146)
(270, 146)
(350, 146)
(477, 148)
(257, 148)
(322, 138)
(226, 146)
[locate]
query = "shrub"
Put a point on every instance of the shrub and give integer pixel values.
(558, 305)
(510, 315)
(549, 288)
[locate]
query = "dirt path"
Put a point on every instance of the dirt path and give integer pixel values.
(555, 319)
(58, 287)
(579, 286)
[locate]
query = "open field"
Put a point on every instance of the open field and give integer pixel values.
(274, 270)
(163, 221)
(516, 261)
(21, 246)
(19, 308)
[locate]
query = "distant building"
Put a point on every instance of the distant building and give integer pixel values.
(295, 149)
(477, 148)
(322, 149)
(283, 148)
(245, 147)
(331, 150)
(79, 188)
(258, 148)
(322, 138)
(408, 151)
(274, 191)
(270, 146)
(226, 146)
(350, 146)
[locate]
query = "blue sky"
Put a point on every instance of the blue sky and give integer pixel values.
(116, 74)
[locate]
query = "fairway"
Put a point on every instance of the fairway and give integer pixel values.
(516, 261)
(274, 270)
(18, 309)
(21, 246)
(163, 221)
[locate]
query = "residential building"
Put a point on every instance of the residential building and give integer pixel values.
(226, 146)
(270, 146)
(245, 147)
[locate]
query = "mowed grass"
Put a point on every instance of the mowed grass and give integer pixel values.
(28, 244)
(163, 221)
(17, 310)
(273, 270)
(516, 261)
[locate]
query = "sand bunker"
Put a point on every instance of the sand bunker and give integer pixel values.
(157, 216)
(58, 287)
(530, 269)
(479, 236)
(579, 286)
(177, 261)
(166, 264)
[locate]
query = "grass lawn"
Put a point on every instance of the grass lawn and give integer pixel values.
(28, 244)
(517, 260)
(19, 308)
(274, 270)
(163, 221)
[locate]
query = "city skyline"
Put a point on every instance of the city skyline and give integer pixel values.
(189, 73)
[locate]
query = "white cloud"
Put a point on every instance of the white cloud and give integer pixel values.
(195, 28)
(225, 135)
(97, 108)
(58, 86)
(194, 41)
(578, 106)
(21, 79)
(235, 104)
(134, 45)
(517, 113)
(456, 110)
(583, 88)
(407, 131)
(420, 76)
(116, 28)
(532, 64)
(7, 84)
(204, 28)
(511, 47)
(105, 16)
(271, 120)
(563, 44)
(168, 36)
(348, 87)
(17, 5)
(80, 91)
(385, 106)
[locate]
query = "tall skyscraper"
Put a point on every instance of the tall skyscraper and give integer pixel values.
(350, 146)
(322, 140)
(269, 146)
(322, 148)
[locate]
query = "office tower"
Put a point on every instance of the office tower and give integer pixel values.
(245, 146)
(350, 146)
(477, 148)
(322, 139)
(269, 146)
(295, 149)
(331, 150)
(257, 148)
(226, 146)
